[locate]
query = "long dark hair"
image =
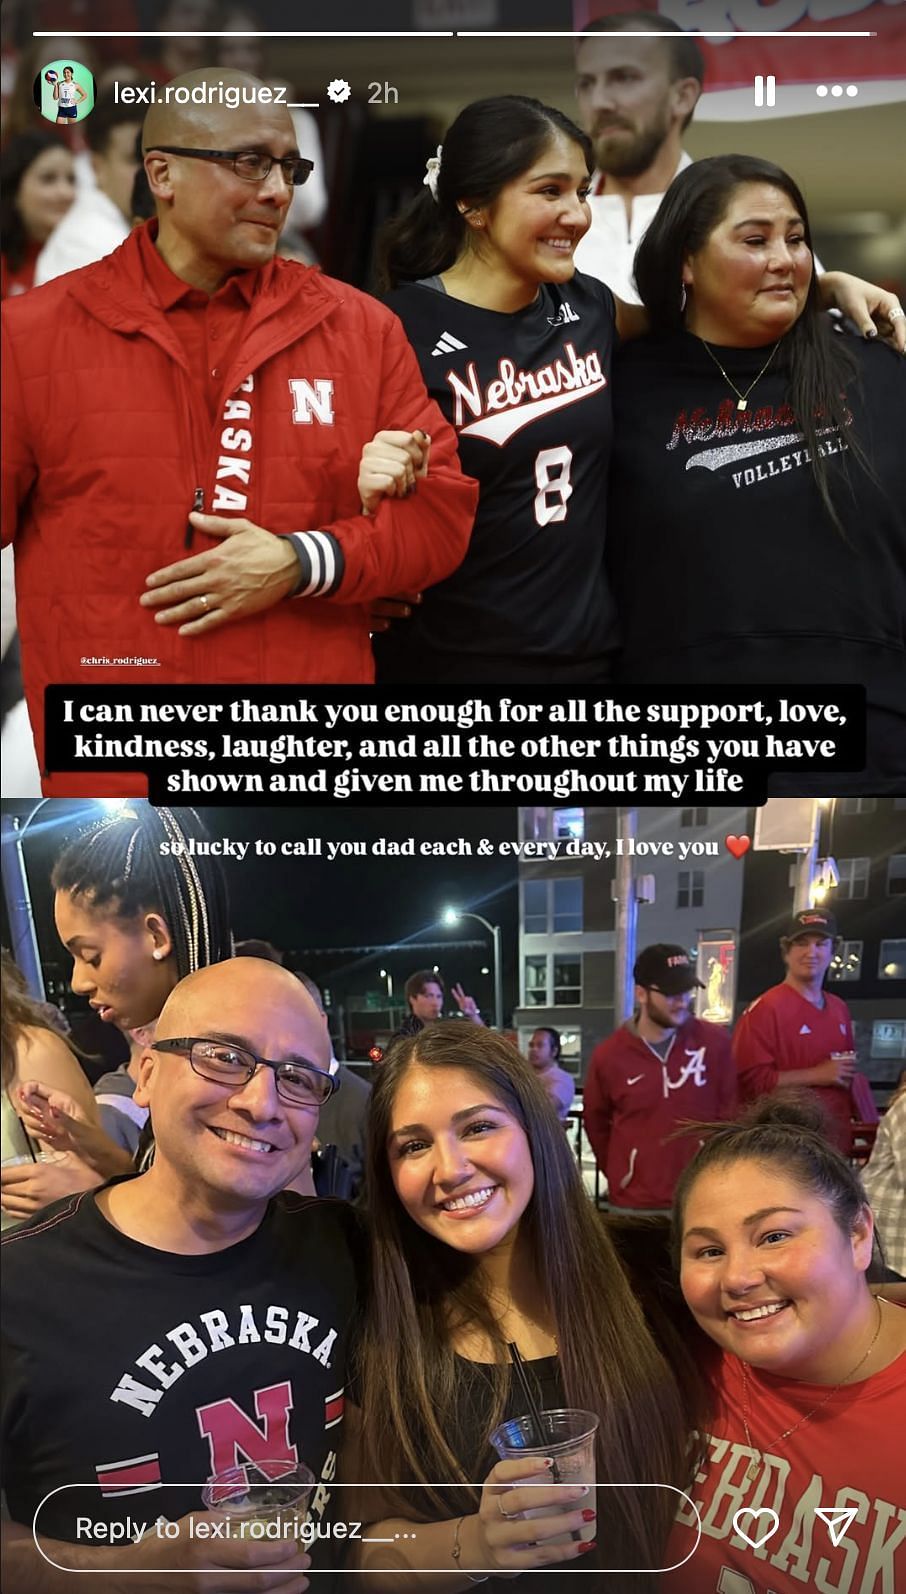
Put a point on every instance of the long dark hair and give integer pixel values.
(423, 1292)
(819, 363)
(20, 153)
(119, 864)
(490, 144)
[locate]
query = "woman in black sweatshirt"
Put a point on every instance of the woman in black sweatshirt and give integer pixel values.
(758, 487)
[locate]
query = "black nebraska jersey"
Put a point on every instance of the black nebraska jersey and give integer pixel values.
(529, 396)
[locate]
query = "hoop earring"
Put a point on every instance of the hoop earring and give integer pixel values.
(682, 297)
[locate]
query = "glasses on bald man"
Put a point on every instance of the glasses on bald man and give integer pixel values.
(299, 1083)
(251, 165)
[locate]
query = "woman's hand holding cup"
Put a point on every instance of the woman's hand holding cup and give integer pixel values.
(504, 1542)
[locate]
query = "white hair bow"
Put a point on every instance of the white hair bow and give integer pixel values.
(432, 172)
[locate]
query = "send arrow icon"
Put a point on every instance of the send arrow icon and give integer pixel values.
(838, 1520)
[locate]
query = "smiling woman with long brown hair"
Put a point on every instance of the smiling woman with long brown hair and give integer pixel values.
(483, 1237)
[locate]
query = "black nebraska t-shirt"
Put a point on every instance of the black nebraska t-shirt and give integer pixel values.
(130, 1369)
(528, 394)
(725, 563)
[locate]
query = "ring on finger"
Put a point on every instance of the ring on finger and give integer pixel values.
(897, 314)
(205, 603)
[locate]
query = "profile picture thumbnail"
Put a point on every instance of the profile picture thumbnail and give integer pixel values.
(64, 92)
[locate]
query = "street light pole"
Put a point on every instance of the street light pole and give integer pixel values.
(626, 917)
(450, 917)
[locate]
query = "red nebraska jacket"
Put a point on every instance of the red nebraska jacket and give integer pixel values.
(633, 1102)
(107, 441)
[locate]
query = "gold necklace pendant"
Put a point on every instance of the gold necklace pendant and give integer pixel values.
(742, 398)
(752, 1471)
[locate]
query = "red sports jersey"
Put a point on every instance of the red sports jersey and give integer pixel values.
(780, 1031)
(849, 1455)
(634, 1102)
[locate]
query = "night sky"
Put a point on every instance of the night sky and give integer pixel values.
(308, 903)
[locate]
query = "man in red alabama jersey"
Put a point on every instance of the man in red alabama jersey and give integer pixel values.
(660, 1069)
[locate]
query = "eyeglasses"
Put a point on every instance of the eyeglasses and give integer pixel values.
(298, 1083)
(249, 164)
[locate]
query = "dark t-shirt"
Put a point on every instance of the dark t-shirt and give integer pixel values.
(468, 1428)
(529, 396)
(130, 1368)
(724, 562)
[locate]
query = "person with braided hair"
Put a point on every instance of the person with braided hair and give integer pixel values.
(138, 909)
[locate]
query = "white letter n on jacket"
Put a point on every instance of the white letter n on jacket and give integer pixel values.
(311, 401)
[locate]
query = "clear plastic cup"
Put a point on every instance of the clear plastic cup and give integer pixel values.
(265, 1500)
(568, 1437)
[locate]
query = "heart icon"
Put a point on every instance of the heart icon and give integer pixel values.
(737, 844)
(773, 1518)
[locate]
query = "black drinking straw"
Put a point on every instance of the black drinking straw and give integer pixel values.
(532, 1404)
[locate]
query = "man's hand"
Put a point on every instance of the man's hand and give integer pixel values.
(191, 1563)
(252, 1564)
(391, 465)
(872, 309)
(467, 1004)
(383, 611)
(249, 571)
(836, 1070)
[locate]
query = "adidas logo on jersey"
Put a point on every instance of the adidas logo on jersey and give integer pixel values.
(564, 316)
(447, 344)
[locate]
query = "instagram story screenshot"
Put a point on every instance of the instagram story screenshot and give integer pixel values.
(453, 796)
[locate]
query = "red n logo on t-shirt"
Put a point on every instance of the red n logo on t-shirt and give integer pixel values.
(233, 1437)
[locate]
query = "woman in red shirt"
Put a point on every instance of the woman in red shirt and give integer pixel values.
(37, 187)
(808, 1374)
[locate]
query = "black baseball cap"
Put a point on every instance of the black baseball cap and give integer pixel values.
(666, 968)
(811, 921)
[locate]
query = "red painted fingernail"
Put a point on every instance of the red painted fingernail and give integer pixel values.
(589, 1516)
(584, 1548)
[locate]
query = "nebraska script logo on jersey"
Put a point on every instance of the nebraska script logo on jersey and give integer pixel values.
(698, 426)
(516, 398)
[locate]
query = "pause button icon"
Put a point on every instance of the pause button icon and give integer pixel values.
(765, 90)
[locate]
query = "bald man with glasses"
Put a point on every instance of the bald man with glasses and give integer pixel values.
(186, 504)
(172, 1325)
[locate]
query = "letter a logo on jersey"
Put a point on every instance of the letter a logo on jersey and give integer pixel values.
(312, 401)
(232, 1436)
(694, 1070)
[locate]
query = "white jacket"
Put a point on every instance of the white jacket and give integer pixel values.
(92, 227)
